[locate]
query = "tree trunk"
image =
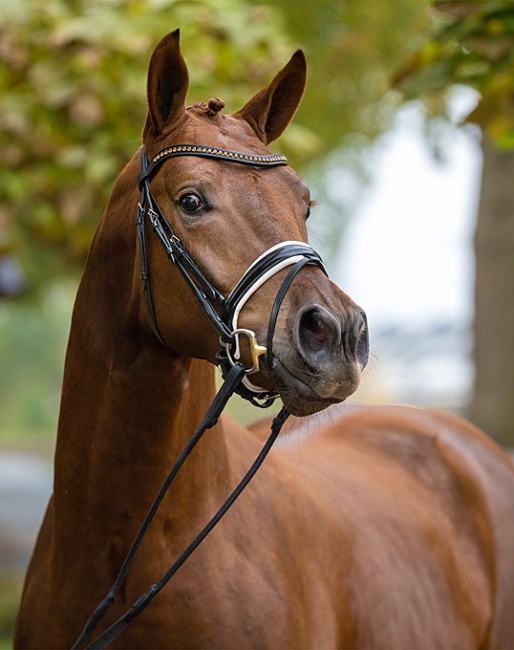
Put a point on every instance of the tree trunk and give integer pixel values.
(492, 407)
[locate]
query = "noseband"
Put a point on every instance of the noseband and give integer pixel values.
(222, 312)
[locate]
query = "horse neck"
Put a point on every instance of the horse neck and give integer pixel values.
(128, 405)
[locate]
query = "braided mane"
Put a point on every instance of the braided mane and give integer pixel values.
(210, 108)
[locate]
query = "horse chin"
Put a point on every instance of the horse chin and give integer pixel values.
(298, 397)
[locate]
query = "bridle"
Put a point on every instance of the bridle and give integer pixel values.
(223, 313)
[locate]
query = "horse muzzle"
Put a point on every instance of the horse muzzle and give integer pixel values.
(324, 364)
(316, 356)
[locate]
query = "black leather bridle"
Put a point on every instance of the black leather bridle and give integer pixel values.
(223, 313)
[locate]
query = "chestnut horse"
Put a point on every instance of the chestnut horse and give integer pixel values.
(387, 528)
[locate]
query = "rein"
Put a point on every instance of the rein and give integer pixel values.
(210, 419)
(223, 313)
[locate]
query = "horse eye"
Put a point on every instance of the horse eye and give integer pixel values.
(311, 205)
(190, 203)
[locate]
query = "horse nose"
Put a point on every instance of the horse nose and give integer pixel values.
(321, 339)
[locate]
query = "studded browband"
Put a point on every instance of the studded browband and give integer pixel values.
(202, 151)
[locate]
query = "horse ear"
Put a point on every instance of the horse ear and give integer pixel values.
(167, 85)
(271, 110)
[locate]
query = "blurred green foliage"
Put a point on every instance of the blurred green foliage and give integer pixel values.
(72, 95)
(473, 45)
(32, 343)
(72, 104)
(10, 593)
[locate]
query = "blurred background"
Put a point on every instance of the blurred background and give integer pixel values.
(405, 135)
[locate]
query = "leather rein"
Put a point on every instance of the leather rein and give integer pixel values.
(223, 313)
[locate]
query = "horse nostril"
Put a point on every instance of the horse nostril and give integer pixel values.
(313, 332)
(317, 331)
(320, 339)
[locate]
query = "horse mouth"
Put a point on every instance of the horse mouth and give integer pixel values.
(298, 397)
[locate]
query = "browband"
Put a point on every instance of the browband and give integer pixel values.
(202, 151)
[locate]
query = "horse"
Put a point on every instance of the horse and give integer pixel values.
(382, 527)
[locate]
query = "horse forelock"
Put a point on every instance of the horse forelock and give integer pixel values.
(210, 108)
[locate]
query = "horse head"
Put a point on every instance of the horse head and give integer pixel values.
(226, 215)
